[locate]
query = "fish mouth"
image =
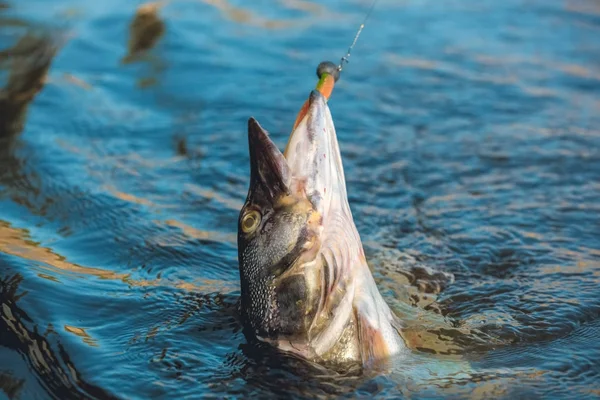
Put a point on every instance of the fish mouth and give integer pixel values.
(311, 163)
(313, 156)
(269, 171)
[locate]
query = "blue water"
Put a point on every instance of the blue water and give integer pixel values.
(471, 142)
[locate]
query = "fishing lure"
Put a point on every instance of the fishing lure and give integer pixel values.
(329, 73)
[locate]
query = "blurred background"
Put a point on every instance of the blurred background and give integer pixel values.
(470, 138)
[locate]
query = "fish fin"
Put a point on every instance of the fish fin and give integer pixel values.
(372, 343)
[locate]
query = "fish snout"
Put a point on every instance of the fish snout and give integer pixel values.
(268, 168)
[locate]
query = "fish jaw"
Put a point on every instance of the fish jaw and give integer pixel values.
(269, 170)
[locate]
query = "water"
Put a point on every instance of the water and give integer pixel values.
(469, 132)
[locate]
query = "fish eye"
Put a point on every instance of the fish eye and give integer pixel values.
(250, 221)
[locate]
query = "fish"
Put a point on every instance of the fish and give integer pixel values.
(306, 287)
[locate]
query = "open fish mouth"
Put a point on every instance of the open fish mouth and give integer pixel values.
(311, 162)
(313, 155)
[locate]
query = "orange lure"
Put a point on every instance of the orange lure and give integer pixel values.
(328, 74)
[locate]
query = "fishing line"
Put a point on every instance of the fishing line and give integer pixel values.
(328, 73)
(345, 59)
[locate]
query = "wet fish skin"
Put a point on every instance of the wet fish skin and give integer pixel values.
(305, 283)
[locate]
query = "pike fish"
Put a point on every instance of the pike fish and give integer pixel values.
(306, 287)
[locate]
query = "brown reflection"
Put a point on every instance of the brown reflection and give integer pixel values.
(74, 80)
(201, 234)
(129, 197)
(212, 195)
(145, 31)
(491, 384)
(53, 368)
(17, 242)
(528, 72)
(414, 301)
(27, 62)
(81, 332)
(10, 385)
(304, 5)
(583, 7)
(247, 17)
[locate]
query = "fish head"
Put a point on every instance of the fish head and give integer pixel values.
(306, 286)
(280, 227)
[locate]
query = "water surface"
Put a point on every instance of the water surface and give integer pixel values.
(469, 133)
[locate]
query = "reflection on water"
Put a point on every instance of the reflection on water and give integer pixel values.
(145, 30)
(471, 146)
(27, 63)
(54, 370)
(246, 16)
